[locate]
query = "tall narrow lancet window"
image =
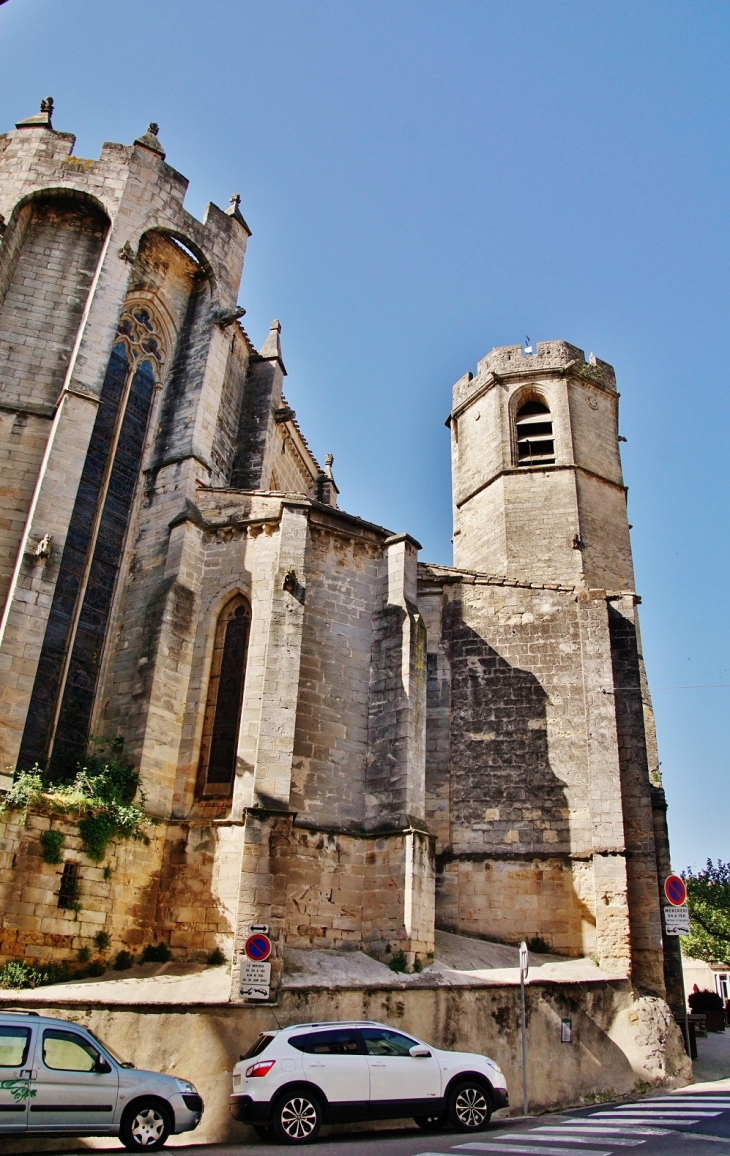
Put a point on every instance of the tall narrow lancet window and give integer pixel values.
(534, 428)
(225, 695)
(59, 716)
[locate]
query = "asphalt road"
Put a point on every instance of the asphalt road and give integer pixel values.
(683, 1124)
(693, 1124)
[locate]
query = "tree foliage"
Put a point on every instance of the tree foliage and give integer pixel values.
(708, 900)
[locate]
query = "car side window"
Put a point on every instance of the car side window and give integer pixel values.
(381, 1042)
(299, 1042)
(14, 1044)
(341, 1042)
(67, 1052)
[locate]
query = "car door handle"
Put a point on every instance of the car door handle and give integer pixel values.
(320, 1065)
(377, 1065)
(29, 1074)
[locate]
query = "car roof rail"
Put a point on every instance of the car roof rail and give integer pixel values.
(18, 1011)
(335, 1024)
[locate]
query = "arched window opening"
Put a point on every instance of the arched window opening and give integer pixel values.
(535, 441)
(225, 695)
(59, 716)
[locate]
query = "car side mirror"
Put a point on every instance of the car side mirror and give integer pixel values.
(102, 1067)
(419, 1050)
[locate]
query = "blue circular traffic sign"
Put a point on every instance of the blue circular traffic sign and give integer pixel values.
(675, 890)
(258, 947)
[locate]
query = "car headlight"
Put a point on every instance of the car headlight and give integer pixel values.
(185, 1086)
(495, 1067)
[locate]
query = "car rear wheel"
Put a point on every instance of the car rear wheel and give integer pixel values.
(469, 1107)
(145, 1126)
(430, 1123)
(297, 1118)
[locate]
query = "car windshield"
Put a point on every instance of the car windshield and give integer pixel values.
(112, 1052)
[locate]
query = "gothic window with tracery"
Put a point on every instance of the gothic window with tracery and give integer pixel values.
(219, 745)
(59, 715)
(534, 429)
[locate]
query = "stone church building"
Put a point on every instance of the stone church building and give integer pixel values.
(340, 741)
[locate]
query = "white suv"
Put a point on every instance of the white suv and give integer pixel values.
(57, 1078)
(294, 1080)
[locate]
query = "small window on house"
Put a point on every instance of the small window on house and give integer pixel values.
(69, 890)
(535, 442)
(225, 695)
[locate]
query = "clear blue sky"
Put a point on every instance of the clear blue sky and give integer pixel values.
(427, 180)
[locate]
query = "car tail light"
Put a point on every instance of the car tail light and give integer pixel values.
(261, 1069)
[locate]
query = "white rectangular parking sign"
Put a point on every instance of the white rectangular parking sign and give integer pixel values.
(676, 920)
(255, 979)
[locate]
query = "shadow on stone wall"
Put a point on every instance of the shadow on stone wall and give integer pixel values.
(188, 913)
(506, 872)
(504, 792)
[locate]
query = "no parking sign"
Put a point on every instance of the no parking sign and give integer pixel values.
(675, 890)
(258, 947)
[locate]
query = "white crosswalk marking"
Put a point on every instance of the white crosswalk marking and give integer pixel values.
(632, 1113)
(697, 1098)
(660, 1121)
(578, 1136)
(508, 1149)
(570, 1136)
(702, 1113)
(624, 1126)
(629, 1127)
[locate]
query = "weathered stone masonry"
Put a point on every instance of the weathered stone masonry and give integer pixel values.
(414, 745)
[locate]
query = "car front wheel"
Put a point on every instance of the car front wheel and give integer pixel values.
(469, 1107)
(297, 1118)
(145, 1126)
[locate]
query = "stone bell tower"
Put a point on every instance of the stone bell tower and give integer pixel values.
(537, 485)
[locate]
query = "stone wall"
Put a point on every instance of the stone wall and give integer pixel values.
(141, 196)
(535, 777)
(331, 740)
(619, 1045)
(118, 896)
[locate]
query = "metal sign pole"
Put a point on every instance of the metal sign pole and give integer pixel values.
(675, 890)
(523, 1023)
(686, 1006)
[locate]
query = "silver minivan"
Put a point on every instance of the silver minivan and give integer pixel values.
(57, 1078)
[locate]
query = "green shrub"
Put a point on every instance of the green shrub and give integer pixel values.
(95, 968)
(123, 961)
(156, 953)
(216, 957)
(84, 954)
(17, 973)
(98, 797)
(52, 844)
(398, 961)
(102, 940)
